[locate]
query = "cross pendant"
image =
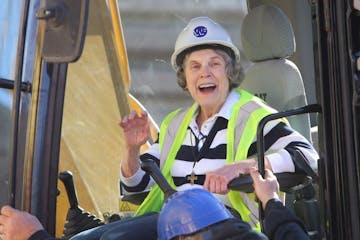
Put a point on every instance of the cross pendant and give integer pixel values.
(192, 178)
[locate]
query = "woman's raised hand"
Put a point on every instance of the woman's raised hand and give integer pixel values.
(136, 129)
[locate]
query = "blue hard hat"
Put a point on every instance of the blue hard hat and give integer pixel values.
(188, 212)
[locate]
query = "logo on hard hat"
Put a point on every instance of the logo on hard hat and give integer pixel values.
(200, 31)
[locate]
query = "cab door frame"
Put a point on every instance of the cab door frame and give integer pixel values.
(35, 122)
(337, 25)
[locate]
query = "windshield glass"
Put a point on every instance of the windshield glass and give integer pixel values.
(9, 31)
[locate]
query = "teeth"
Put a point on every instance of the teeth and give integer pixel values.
(207, 85)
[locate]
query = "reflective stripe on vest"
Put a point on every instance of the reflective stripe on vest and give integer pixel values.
(169, 143)
(241, 133)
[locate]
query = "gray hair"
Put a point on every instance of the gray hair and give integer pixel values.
(233, 70)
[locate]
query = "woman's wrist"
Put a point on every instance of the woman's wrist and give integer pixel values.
(131, 164)
(243, 166)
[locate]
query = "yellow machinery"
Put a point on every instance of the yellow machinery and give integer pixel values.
(96, 97)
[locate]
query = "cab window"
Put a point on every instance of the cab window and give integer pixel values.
(9, 31)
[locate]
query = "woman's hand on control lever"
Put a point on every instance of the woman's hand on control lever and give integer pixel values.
(136, 129)
(217, 181)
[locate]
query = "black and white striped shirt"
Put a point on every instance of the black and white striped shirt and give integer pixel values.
(281, 142)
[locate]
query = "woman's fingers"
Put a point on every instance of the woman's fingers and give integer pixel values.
(134, 117)
(216, 184)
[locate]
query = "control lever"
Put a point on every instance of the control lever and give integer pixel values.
(150, 167)
(77, 220)
(287, 181)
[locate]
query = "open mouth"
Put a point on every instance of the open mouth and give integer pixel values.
(208, 87)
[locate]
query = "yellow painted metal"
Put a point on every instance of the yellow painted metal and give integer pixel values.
(32, 121)
(96, 97)
(120, 43)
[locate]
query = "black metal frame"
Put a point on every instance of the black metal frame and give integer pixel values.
(47, 146)
(14, 161)
(339, 145)
(314, 108)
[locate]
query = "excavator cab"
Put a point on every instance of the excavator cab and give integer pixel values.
(70, 70)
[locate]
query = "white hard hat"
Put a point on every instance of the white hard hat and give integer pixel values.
(202, 31)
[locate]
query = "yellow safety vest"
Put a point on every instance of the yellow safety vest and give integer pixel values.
(240, 133)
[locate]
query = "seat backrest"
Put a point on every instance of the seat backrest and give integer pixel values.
(268, 40)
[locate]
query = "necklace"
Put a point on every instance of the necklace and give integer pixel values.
(192, 178)
(205, 147)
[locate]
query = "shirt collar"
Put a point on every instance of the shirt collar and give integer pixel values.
(225, 110)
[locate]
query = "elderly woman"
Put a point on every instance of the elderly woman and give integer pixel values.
(208, 144)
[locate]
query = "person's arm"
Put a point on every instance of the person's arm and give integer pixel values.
(285, 142)
(136, 130)
(21, 225)
(236, 229)
(217, 181)
(280, 222)
(41, 235)
(279, 157)
(141, 180)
